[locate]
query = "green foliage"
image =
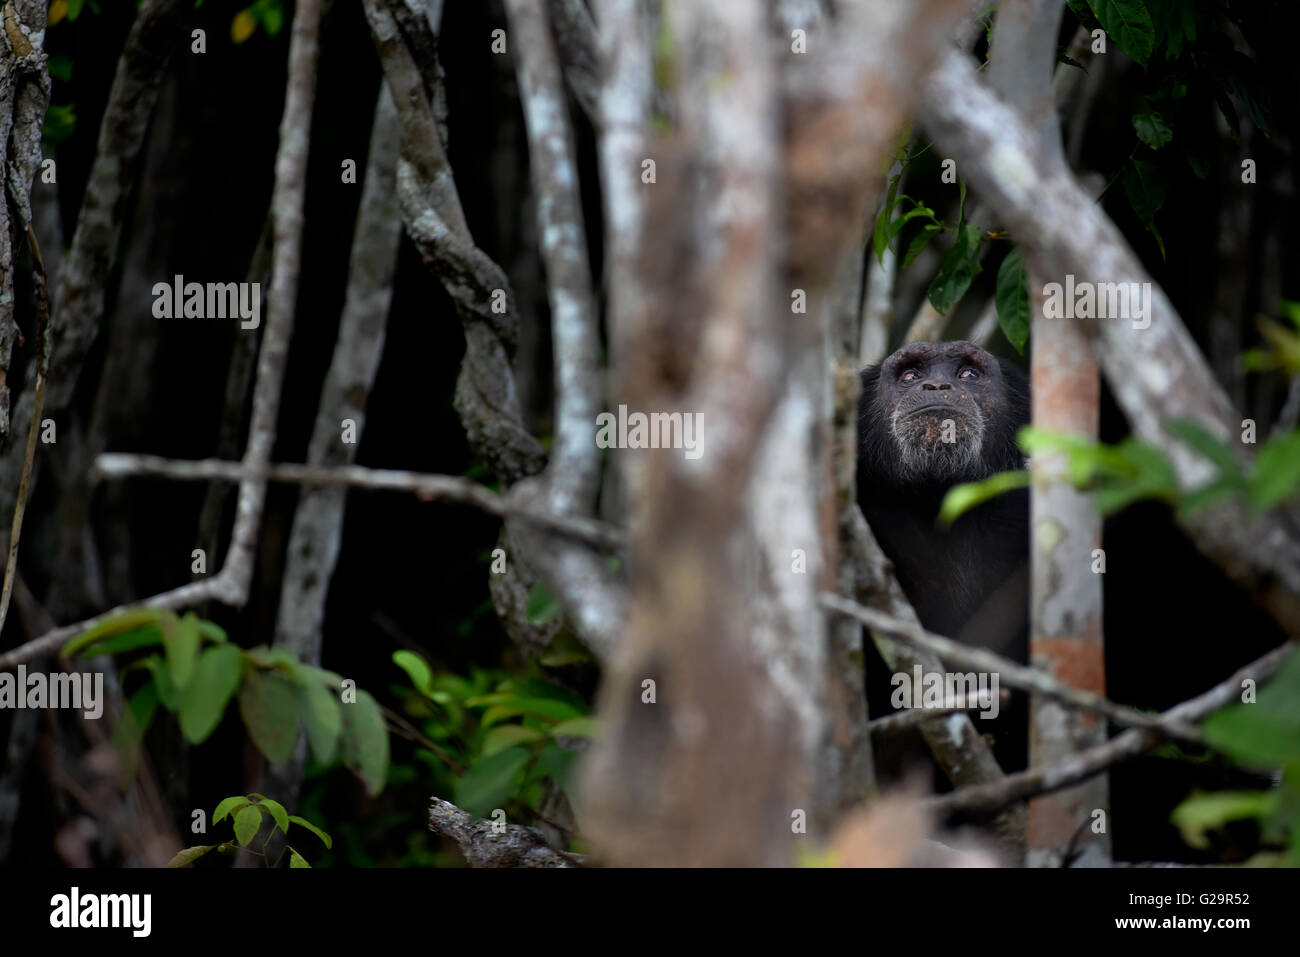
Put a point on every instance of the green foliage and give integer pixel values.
(494, 739)
(1129, 24)
(247, 814)
(961, 264)
(888, 225)
(1146, 191)
(962, 498)
(60, 123)
(1152, 129)
(1283, 350)
(60, 67)
(1265, 735)
(69, 10)
(1012, 300)
(267, 14)
(1133, 471)
(542, 606)
(1181, 45)
(194, 671)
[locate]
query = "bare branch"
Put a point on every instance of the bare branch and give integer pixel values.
(453, 488)
(1017, 676)
(594, 600)
(287, 217)
(483, 846)
(24, 96)
(575, 35)
(183, 597)
(1079, 767)
(41, 292)
(431, 211)
(318, 520)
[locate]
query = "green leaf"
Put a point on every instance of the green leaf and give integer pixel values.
(880, 234)
(417, 669)
(212, 631)
(365, 741)
(585, 727)
(962, 498)
(1265, 734)
(303, 822)
(1210, 446)
(1146, 191)
(274, 658)
(508, 735)
(1129, 23)
(1202, 813)
(328, 678)
(1152, 129)
(268, 702)
(60, 123)
(181, 641)
(168, 694)
(1204, 497)
(148, 636)
(1012, 300)
(248, 820)
(296, 859)
(492, 780)
(131, 727)
(531, 686)
(227, 805)
(275, 809)
(60, 67)
(319, 711)
(271, 15)
(919, 242)
(1063, 57)
(564, 649)
(1276, 475)
(897, 225)
(1249, 736)
(114, 625)
(960, 267)
(1081, 12)
(189, 855)
(541, 707)
(542, 606)
(204, 700)
(555, 763)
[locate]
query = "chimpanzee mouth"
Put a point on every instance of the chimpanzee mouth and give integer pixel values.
(936, 409)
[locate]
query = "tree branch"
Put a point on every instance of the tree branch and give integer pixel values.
(1016, 787)
(113, 465)
(1008, 672)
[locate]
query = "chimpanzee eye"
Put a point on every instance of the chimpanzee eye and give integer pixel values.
(909, 375)
(968, 373)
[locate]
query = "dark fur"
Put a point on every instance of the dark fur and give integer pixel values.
(969, 582)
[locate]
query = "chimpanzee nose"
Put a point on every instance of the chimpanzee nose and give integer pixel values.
(936, 385)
